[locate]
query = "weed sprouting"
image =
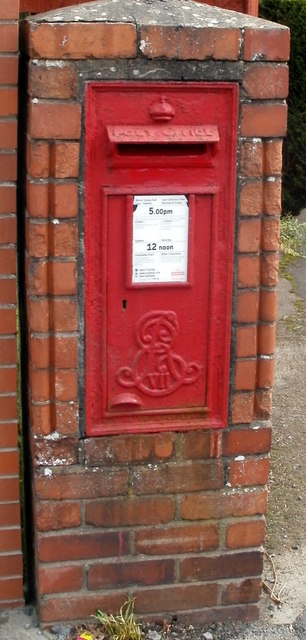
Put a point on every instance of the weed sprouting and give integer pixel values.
(122, 626)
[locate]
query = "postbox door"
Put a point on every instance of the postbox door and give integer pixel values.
(158, 274)
(159, 232)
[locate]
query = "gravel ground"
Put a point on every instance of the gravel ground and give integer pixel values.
(286, 523)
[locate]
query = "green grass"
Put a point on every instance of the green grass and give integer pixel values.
(122, 626)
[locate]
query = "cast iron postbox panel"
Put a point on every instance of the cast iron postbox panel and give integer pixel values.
(160, 179)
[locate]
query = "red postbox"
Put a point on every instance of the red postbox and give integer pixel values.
(159, 234)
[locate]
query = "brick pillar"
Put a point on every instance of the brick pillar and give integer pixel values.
(174, 519)
(11, 592)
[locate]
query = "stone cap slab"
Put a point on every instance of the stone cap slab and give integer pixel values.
(178, 13)
(171, 29)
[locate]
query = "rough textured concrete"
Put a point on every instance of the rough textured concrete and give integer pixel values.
(151, 12)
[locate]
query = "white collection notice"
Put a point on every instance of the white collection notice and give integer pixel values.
(160, 239)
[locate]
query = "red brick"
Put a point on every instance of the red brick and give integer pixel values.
(38, 315)
(9, 9)
(64, 315)
(11, 565)
(265, 373)
(62, 278)
(81, 41)
(40, 417)
(8, 262)
(242, 408)
(8, 292)
(9, 38)
(51, 517)
(269, 269)
(80, 607)
(258, 158)
(273, 157)
(38, 159)
(270, 234)
(65, 159)
(9, 488)
(64, 239)
(40, 385)
(246, 612)
(9, 462)
(56, 278)
(64, 200)
(65, 417)
(251, 162)
(133, 511)
(38, 199)
(136, 448)
(246, 591)
(247, 306)
(89, 484)
(8, 101)
(249, 236)
(248, 271)
(8, 407)
(60, 579)
(247, 441)
(266, 44)
(251, 471)
(56, 80)
(8, 134)
(251, 198)
(230, 565)
(37, 238)
(266, 81)
(190, 43)
(9, 512)
(7, 199)
(198, 445)
(9, 69)
(224, 504)
(10, 539)
(147, 572)
(64, 352)
(8, 379)
(266, 339)
(244, 534)
(8, 166)
(65, 384)
(246, 343)
(177, 539)
(8, 435)
(263, 404)
(49, 452)
(60, 548)
(7, 321)
(268, 305)
(8, 352)
(175, 478)
(55, 120)
(273, 197)
(177, 598)
(245, 375)
(8, 233)
(266, 119)
(11, 589)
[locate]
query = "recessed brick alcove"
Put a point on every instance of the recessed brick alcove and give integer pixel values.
(175, 519)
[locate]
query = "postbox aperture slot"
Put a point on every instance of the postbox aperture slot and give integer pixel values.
(179, 149)
(168, 142)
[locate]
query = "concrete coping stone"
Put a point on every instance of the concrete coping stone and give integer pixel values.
(168, 13)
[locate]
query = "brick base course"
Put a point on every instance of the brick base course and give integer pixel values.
(176, 520)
